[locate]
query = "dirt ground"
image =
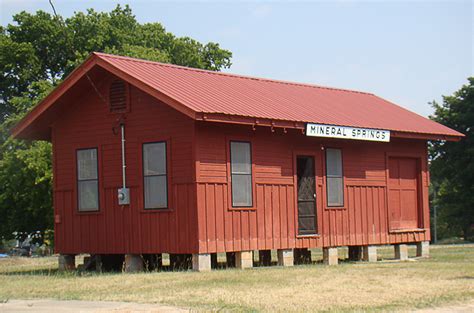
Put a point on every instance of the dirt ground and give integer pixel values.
(70, 306)
(51, 306)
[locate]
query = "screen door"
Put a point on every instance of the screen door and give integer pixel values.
(306, 195)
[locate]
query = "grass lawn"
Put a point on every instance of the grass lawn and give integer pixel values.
(447, 277)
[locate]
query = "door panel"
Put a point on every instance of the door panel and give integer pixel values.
(395, 208)
(403, 193)
(306, 195)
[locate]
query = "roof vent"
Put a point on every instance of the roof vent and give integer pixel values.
(118, 96)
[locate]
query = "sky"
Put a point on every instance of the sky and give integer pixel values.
(408, 52)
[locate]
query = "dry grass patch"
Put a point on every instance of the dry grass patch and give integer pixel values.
(448, 276)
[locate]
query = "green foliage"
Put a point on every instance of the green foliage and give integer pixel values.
(452, 166)
(44, 34)
(44, 47)
(19, 66)
(49, 237)
(37, 51)
(25, 172)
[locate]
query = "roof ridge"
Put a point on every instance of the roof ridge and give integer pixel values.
(193, 69)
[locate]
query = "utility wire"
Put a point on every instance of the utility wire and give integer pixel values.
(96, 90)
(54, 10)
(66, 37)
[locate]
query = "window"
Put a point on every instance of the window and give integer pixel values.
(87, 180)
(334, 182)
(155, 175)
(118, 96)
(241, 173)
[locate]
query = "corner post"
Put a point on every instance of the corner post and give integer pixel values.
(401, 252)
(369, 253)
(66, 262)
(202, 262)
(285, 257)
(330, 256)
(244, 259)
(423, 249)
(133, 263)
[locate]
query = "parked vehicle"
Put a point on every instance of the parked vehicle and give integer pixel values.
(26, 243)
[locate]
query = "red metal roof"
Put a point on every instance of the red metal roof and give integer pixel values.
(209, 95)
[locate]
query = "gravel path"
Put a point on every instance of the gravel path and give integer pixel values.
(70, 306)
(73, 306)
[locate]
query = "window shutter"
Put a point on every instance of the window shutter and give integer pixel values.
(118, 96)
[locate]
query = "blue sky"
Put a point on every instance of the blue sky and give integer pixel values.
(409, 52)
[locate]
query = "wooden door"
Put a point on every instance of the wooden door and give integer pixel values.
(403, 193)
(306, 195)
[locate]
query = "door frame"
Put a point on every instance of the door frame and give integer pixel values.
(419, 169)
(317, 186)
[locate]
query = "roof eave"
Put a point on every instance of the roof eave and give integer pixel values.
(256, 121)
(424, 136)
(20, 130)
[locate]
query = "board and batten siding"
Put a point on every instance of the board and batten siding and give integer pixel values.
(272, 223)
(200, 217)
(115, 228)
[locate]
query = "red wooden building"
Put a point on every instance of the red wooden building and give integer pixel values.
(152, 158)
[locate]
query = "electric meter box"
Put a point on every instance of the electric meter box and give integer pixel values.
(123, 196)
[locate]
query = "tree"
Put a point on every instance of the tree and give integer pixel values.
(37, 52)
(452, 166)
(45, 47)
(25, 172)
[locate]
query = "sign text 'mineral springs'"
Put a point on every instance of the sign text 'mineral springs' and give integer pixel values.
(344, 132)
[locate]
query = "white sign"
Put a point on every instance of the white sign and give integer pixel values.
(343, 132)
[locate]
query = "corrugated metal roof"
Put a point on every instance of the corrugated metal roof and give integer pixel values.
(216, 96)
(215, 92)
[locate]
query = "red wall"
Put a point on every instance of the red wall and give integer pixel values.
(127, 229)
(272, 224)
(200, 218)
